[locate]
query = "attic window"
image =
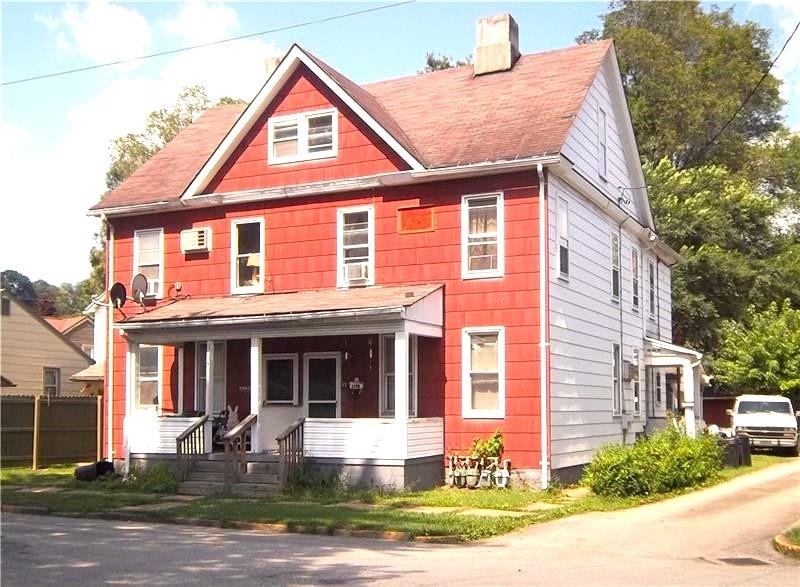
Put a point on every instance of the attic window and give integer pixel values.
(302, 137)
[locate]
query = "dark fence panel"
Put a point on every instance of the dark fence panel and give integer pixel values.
(67, 430)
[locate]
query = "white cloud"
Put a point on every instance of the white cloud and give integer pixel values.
(76, 161)
(787, 14)
(100, 31)
(201, 22)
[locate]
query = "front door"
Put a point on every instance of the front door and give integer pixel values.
(321, 384)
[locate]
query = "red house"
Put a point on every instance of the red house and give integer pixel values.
(481, 231)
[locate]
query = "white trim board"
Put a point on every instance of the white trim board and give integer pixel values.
(288, 65)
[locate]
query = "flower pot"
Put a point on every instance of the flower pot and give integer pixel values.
(501, 477)
(473, 477)
(460, 478)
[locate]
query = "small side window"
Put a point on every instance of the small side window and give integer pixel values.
(615, 254)
(51, 381)
(563, 238)
(651, 293)
(616, 379)
(635, 293)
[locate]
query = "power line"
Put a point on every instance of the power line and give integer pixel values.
(713, 140)
(210, 44)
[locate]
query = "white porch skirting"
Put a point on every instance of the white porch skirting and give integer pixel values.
(146, 432)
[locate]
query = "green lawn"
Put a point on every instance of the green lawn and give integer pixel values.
(77, 502)
(53, 476)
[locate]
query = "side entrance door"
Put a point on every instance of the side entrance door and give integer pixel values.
(322, 379)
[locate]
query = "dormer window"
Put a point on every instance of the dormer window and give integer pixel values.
(302, 137)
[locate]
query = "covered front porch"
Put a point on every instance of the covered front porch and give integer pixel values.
(331, 365)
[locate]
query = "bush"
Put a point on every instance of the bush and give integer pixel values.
(156, 479)
(310, 482)
(664, 462)
(492, 447)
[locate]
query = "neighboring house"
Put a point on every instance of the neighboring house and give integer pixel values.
(79, 330)
(36, 357)
(483, 231)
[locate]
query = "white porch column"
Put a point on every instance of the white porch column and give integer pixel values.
(401, 391)
(131, 377)
(209, 388)
(687, 383)
(255, 391)
(179, 358)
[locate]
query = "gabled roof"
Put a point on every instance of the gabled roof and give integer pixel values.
(65, 324)
(435, 120)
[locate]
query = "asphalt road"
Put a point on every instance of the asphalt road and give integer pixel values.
(676, 542)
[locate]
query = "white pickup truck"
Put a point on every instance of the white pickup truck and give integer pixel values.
(767, 420)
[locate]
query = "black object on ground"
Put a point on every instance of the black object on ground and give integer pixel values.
(93, 471)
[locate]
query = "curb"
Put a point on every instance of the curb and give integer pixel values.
(783, 546)
(265, 527)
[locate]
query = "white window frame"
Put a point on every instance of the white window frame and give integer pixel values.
(323, 355)
(413, 364)
(295, 358)
(302, 118)
(636, 282)
(616, 379)
(637, 386)
(200, 367)
(467, 411)
(341, 281)
(562, 237)
(159, 379)
(616, 247)
(248, 289)
(136, 265)
(466, 273)
(56, 387)
(602, 143)
(652, 288)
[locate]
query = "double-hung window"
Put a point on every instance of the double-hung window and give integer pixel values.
(51, 381)
(483, 372)
(635, 285)
(659, 389)
(562, 229)
(637, 390)
(247, 256)
(651, 292)
(302, 137)
(482, 241)
(602, 144)
(148, 376)
(356, 246)
(388, 375)
(219, 393)
(616, 378)
(148, 259)
(281, 379)
(615, 254)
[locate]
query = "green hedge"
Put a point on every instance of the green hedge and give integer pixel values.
(661, 463)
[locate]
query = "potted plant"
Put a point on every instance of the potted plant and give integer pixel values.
(473, 473)
(502, 474)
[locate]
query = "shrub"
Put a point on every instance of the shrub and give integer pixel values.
(156, 479)
(492, 447)
(661, 463)
(310, 482)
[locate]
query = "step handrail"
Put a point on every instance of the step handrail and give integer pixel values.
(290, 451)
(189, 445)
(235, 441)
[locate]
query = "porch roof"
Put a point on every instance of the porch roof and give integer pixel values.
(389, 305)
(667, 348)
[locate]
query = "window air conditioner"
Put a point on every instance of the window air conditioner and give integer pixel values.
(195, 239)
(356, 272)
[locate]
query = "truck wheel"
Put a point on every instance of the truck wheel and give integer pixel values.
(795, 450)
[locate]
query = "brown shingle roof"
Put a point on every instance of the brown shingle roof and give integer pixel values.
(288, 304)
(443, 118)
(64, 323)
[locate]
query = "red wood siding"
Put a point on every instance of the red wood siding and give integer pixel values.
(360, 151)
(301, 254)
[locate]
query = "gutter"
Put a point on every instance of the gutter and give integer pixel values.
(544, 343)
(397, 178)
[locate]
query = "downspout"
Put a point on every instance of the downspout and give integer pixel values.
(109, 340)
(544, 343)
(621, 334)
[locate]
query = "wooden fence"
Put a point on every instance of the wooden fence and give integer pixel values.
(49, 430)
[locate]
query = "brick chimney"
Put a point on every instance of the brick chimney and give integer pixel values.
(498, 44)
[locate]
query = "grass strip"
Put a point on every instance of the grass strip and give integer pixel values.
(75, 502)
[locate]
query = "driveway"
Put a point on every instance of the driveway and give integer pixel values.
(677, 542)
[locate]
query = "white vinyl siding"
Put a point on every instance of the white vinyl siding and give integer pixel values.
(483, 372)
(355, 246)
(482, 236)
(602, 143)
(148, 259)
(247, 256)
(302, 137)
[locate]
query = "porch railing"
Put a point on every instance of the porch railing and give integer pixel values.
(235, 441)
(190, 445)
(290, 451)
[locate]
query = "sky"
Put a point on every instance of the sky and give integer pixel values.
(55, 133)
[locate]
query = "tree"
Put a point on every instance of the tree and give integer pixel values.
(20, 287)
(762, 353)
(685, 72)
(437, 62)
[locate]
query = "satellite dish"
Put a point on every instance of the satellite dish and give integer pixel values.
(139, 287)
(118, 294)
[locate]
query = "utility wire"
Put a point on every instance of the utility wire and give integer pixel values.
(210, 44)
(713, 140)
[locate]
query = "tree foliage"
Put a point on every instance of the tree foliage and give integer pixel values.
(762, 352)
(437, 62)
(686, 71)
(20, 287)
